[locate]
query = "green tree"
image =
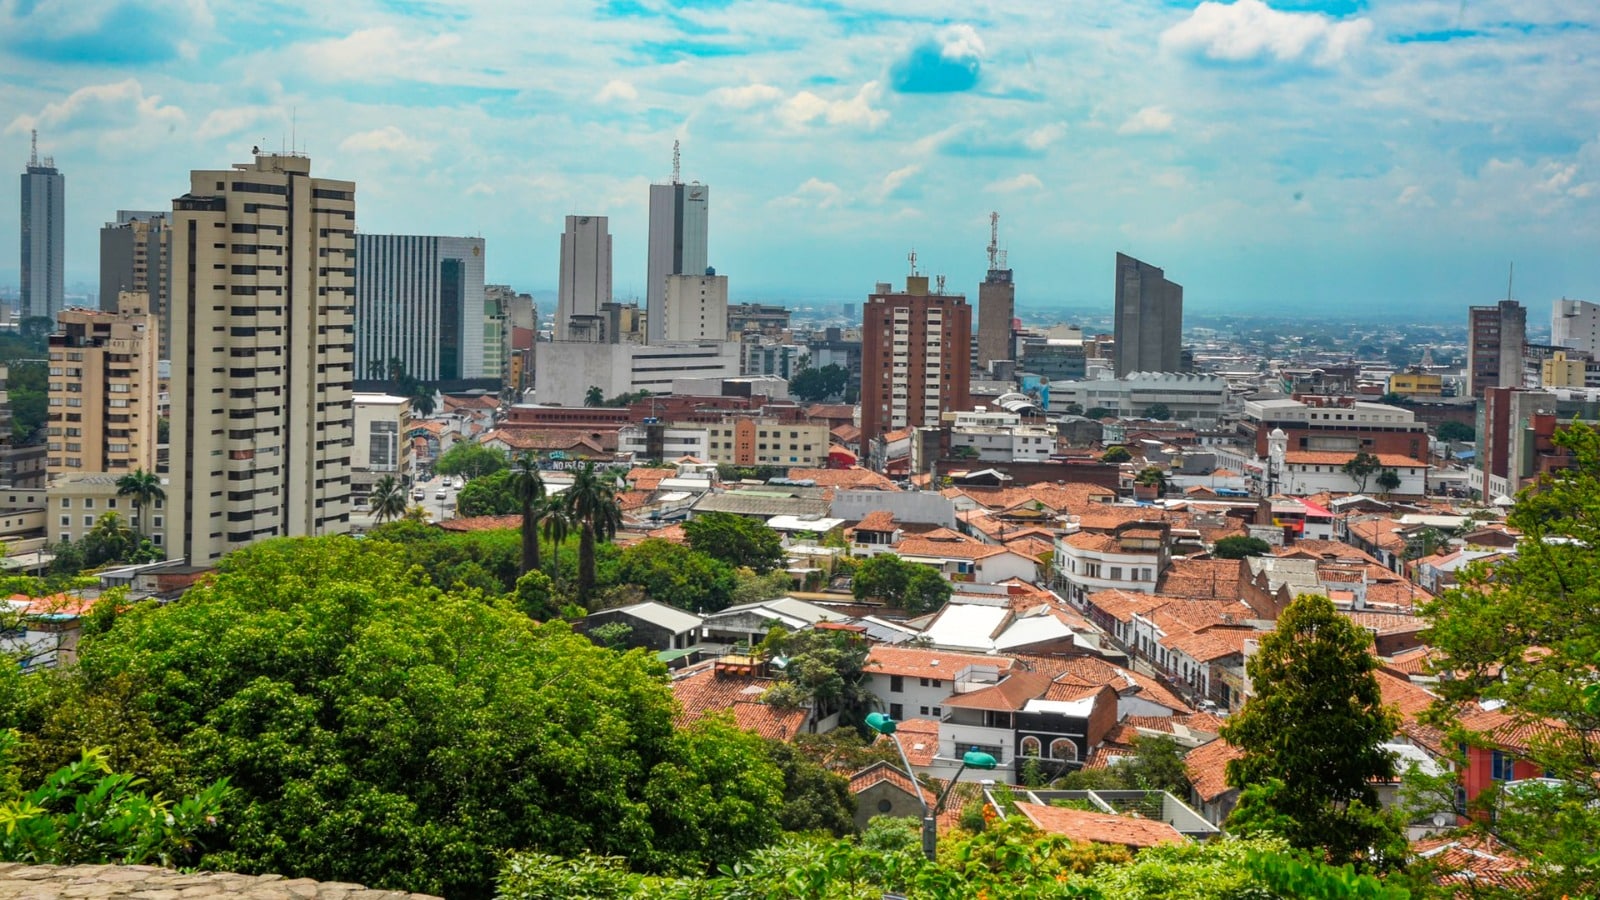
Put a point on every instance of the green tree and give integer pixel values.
(536, 595)
(816, 385)
(384, 731)
(1526, 634)
(111, 541)
(676, 575)
(422, 402)
(1100, 412)
(1360, 468)
(144, 489)
(594, 396)
(1311, 739)
(527, 486)
(1152, 476)
(1158, 411)
(1391, 398)
(1156, 765)
(387, 500)
(470, 459)
(1456, 431)
(488, 495)
(1238, 546)
(1388, 481)
(735, 540)
(591, 504)
(26, 389)
(814, 799)
(1073, 409)
(557, 525)
(1116, 455)
(822, 669)
(913, 587)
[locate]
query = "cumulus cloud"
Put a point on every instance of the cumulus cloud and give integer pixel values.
(1150, 120)
(746, 96)
(806, 107)
(103, 32)
(1414, 195)
(1251, 31)
(814, 193)
(101, 107)
(617, 89)
(1043, 136)
(946, 62)
(224, 122)
(379, 54)
(894, 180)
(388, 140)
(1027, 181)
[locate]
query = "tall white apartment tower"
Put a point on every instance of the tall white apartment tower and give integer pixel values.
(44, 218)
(678, 242)
(695, 308)
(1576, 324)
(585, 279)
(263, 356)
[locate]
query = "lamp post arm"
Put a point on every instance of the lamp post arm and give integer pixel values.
(945, 794)
(915, 785)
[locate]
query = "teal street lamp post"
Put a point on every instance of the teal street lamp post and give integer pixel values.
(972, 759)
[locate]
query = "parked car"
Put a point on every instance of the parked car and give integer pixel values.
(440, 494)
(418, 494)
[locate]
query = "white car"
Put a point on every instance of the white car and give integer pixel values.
(440, 494)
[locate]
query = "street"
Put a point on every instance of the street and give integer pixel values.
(438, 509)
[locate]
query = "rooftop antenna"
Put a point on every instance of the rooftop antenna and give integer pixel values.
(294, 123)
(940, 288)
(33, 157)
(1510, 277)
(994, 240)
(675, 163)
(912, 256)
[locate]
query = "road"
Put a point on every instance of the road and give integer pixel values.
(438, 510)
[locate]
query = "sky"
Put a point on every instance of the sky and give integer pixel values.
(1315, 157)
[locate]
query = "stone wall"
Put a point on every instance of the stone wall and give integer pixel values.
(24, 882)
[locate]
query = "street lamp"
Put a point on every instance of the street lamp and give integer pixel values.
(973, 758)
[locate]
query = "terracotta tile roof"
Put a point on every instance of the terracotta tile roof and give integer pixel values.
(947, 549)
(920, 738)
(1335, 458)
(1201, 578)
(648, 479)
(847, 434)
(481, 523)
(921, 662)
(1385, 623)
(1094, 542)
(1011, 694)
(631, 500)
(877, 520)
(703, 694)
(1123, 605)
(831, 411)
(1206, 766)
(1031, 547)
(1100, 828)
(597, 439)
(1200, 721)
(1107, 518)
(1210, 645)
(1381, 532)
(673, 533)
(1417, 661)
(1059, 498)
(844, 478)
(1411, 700)
(881, 771)
(1317, 549)
(1073, 673)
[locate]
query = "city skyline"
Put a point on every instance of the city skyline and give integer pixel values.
(1367, 154)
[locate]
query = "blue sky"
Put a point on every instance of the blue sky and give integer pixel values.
(1309, 156)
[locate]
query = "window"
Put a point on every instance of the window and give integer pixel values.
(1501, 765)
(938, 711)
(897, 684)
(1030, 746)
(88, 521)
(1116, 573)
(896, 711)
(1064, 749)
(922, 710)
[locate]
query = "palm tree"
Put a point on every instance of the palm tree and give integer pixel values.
(592, 506)
(375, 369)
(594, 396)
(557, 525)
(388, 499)
(145, 489)
(528, 487)
(422, 401)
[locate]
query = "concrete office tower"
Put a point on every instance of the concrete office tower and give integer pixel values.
(915, 358)
(695, 309)
(419, 299)
(263, 356)
(1496, 339)
(133, 257)
(103, 389)
(44, 219)
(1149, 327)
(997, 304)
(1575, 324)
(585, 279)
(678, 242)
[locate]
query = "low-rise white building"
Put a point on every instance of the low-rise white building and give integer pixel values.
(1198, 400)
(1131, 558)
(568, 369)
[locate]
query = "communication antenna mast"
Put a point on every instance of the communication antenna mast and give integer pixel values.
(994, 240)
(33, 158)
(675, 162)
(912, 256)
(1510, 277)
(940, 288)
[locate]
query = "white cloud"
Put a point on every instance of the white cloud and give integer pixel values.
(1248, 30)
(1044, 136)
(379, 54)
(746, 96)
(224, 122)
(617, 89)
(103, 107)
(1414, 195)
(960, 42)
(386, 140)
(814, 193)
(805, 107)
(1150, 120)
(1027, 181)
(892, 181)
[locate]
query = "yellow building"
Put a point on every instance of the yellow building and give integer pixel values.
(103, 389)
(1419, 385)
(1560, 372)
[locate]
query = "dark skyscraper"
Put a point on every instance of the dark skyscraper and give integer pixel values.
(1149, 328)
(997, 303)
(44, 217)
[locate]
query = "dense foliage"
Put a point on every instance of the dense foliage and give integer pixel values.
(377, 729)
(675, 575)
(913, 587)
(488, 495)
(736, 540)
(831, 382)
(470, 459)
(1238, 546)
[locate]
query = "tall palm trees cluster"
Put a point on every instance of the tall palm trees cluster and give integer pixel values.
(588, 507)
(144, 489)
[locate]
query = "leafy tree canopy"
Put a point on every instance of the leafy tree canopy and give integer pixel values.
(470, 459)
(1456, 431)
(676, 575)
(736, 540)
(1116, 455)
(488, 495)
(1238, 546)
(913, 587)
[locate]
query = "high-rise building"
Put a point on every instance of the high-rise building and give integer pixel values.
(263, 356)
(915, 362)
(44, 219)
(1575, 324)
(585, 279)
(103, 389)
(1496, 339)
(1149, 326)
(133, 257)
(997, 304)
(678, 242)
(695, 309)
(419, 300)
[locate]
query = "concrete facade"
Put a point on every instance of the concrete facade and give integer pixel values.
(1575, 324)
(263, 266)
(568, 369)
(585, 286)
(997, 307)
(915, 358)
(1149, 319)
(134, 257)
(103, 389)
(77, 501)
(679, 245)
(1497, 337)
(695, 309)
(420, 299)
